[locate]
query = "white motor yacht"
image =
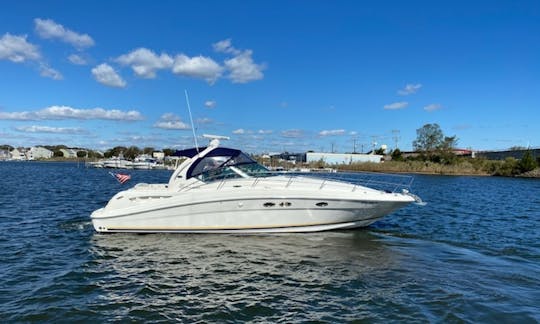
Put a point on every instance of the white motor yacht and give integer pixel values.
(223, 190)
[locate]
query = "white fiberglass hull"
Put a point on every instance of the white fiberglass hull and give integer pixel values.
(245, 211)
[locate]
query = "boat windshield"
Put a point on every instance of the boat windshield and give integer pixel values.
(234, 165)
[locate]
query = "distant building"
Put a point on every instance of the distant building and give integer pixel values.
(343, 158)
(69, 153)
(158, 155)
(4, 155)
(18, 154)
(501, 155)
(290, 157)
(38, 152)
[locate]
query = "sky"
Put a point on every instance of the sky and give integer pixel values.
(274, 76)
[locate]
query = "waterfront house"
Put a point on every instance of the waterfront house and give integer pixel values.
(38, 152)
(18, 154)
(69, 153)
(4, 155)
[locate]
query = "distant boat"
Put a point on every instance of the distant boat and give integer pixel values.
(117, 162)
(145, 162)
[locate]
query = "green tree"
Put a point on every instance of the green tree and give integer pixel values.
(82, 154)
(168, 151)
(148, 150)
(527, 162)
(115, 151)
(132, 152)
(397, 155)
(428, 138)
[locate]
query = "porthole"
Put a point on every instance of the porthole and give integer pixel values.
(269, 204)
(321, 204)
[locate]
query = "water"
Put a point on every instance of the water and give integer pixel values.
(471, 255)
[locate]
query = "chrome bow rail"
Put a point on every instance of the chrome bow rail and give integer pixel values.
(379, 181)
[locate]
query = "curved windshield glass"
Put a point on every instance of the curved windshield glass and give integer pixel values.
(235, 164)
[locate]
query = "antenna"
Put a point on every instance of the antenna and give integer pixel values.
(191, 119)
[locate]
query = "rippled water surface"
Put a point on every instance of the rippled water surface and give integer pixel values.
(472, 254)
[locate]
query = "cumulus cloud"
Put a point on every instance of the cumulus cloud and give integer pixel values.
(265, 131)
(409, 89)
(66, 112)
(171, 121)
(203, 121)
(106, 75)
(432, 107)
(333, 132)
(292, 133)
(17, 49)
(145, 62)
(197, 67)
(48, 29)
(239, 131)
(396, 105)
(48, 129)
(211, 104)
(77, 59)
(225, 46)
(241, 67)
(49, 72)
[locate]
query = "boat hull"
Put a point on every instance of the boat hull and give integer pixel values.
(245, 215)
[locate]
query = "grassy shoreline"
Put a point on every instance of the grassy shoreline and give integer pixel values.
(468, 167)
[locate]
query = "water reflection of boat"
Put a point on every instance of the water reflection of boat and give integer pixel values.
(218, 190)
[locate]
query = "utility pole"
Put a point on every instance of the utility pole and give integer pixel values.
(396, 137)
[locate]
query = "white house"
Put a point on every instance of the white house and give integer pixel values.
(18, 154)
(342, 158)
(38, 152)
(69, 153)
(4, 155)
(158, 155)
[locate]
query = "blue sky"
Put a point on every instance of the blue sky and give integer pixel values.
(272, 75)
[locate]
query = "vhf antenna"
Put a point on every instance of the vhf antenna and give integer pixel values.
(191, 119)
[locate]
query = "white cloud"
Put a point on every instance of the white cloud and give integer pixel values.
(396, 105)
(77, 59)
(432, 107)
(333, 132)
(197, 67)
(106, 75)
(242, 69)
(409, 89)
(353, 133)
(265, 131)
(203, 121)
(171, 121)
(145, 62)
(48, 29)
(17, 49)
(65, 112)
(292, 133)
(211, 104)
(48, 129)
(225, 46)
(239, 131)
(48, 72)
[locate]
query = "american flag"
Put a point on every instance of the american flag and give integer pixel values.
(120, 177)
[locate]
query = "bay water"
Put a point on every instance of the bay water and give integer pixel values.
(472, 254)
